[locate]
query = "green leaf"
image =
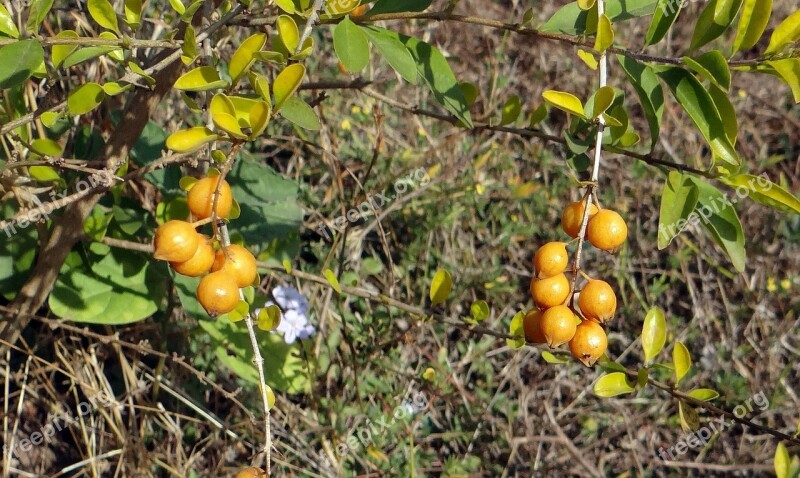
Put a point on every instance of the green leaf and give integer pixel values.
(351, 45)
(46, 147)
(189, 46)
(764, 191)
(332, 280)
(397, 6)
(432, 66)
(516, 328)
(85, 99)
(102, 12)
(704, 394)
(785, 34)
(190, 140)
(715, 18)
(133, 13)
(139, 71)
(654, 333)
(286, 84)
(122, 287)
(393, 51)
(441, 285)
(752, 23)
(726, 112)
(286, 5)
(480, 310)
(697, 102)
(113, 88)
(7, 25)
(37, 13)
(651, 95)
(605, 34)
(721, 221)
(713, 66)
(571, 20)
(18, 61)
(202, 78)
(511, 110)
(565, 101)
(611, 385)
(663, 18)
(300, 113)
(554, 359)
(538, 115)
(789, 71)
(603, 99)
(44, 174)
(178, 6)
(585, 4)
(678, 200)
(284, 366)
(681, 360)
(782, 461)
(243, 59)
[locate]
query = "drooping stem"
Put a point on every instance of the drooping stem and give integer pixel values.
(258, 360)
(591, 189)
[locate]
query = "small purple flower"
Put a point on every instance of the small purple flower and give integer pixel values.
(294, 322)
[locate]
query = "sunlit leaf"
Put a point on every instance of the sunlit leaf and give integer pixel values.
(611, 385)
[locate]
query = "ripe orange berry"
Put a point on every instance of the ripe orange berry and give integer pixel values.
(533, 327)
(175, 241)
(218, 293)
(201, 261)
(597, 301)
(558, 325)
(607, 230)
(251, 472)
(572, 217)
(550, 292)
(342, 68)
(358, 11)
(551, 259)
(237, 261)
(201, 198)
(589, 342)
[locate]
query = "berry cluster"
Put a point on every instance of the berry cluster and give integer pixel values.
(555, 320)
(193, 254)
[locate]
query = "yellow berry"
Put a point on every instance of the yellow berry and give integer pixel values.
(589, 342)
(607, 230)
(572, 217)
(558, 325)
(597, 301)
(175, 241)
(551, 259)
(550, 292)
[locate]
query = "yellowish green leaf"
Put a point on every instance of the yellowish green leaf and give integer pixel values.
(654, 333)
(60, 52)
(704, 394)
(286, 84)
(441, 285)
(517, 331)
(611, 385)
(242, 59)
(259, 118)
(588, 58)
(288, 33)
(269, 318)
(782, 461)
(785, 34)
(681, 360)
(605, 34)
(189, 140)
(103, 13)
(332, 280)
(688, 415)
(565, 101)
(200, 79)
(86, 98)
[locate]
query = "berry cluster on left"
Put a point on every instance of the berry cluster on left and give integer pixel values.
(225, 268)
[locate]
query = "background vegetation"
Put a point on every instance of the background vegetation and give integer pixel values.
(87, 310)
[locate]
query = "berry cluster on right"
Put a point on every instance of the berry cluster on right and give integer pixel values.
(557, 319)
